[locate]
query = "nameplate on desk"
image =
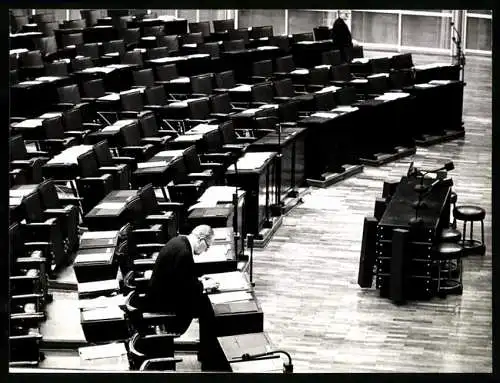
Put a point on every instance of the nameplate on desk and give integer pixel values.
(31, 123)
(300, 71)
(141, 50)
(104, 69)
(154, 164)
(180, 80)
(242, 88)
(324, 115)
(110, 205)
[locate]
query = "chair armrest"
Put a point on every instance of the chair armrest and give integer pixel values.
(126, 114)
(236, 148)
(145, 248)
(282, 99)
(42, 155)
(144, 264)
(215, 157)
(21, 164)
(155, 140)
(92, 126)
(137, 152)
(245, 140)
(149, 363)
(31, 261)
(64, 105)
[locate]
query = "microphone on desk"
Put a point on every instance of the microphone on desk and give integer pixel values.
(287, 367)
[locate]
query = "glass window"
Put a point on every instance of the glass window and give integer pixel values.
(164, 12)
(20, 12)
(302, 21)
(212, 14)
(379, 28)
(426, 31)
(479, 11)
(262, 17)
(478, 34)
(188, 14)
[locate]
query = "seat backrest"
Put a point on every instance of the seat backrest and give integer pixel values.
(157, 53)
(212, 49)
(132, 101)
(90, 50)
(72, 119)
(32, 59)
(48, 29)
(131, 35)
(380, 65)
(377, 83)
(154, 30)
(221, 103)
(56, 68)
(148, 200)
(331, 58)
(288, 111)
(149, 128)
(214, 141)
(325, 101)
(17, 23)
(263, 68)
(234, 45)
(285, 64)
(48, 195)
(114, 46)
(284, 87)
(191, 160)
(402, 61)
(103, 154)
(225, 80)
(307, 36)
(341, 72)
(260, 32)
(263, 92)
(345, 96)
(240, 34)
(155, 95)
(53, 127)
(144, 77)
(32, 207)
(75, 24)
(16, 244)
(133, 58)
(170, 41)
(282, 42)
(70, 94)
(17, 148)
(81, 63)
(192, 38)
(94, 88)
(202, 27)
(44, 18)
(87, 163)
(72, 39)
(319, 76)
(227, 131)
(202, 84)
(166, 72)
(131, 135)
(223, 25)
(91, 16)
(13, 77)
(199, 109)
(46, 45)
(323, 33)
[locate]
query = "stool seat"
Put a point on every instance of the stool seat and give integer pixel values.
(469, 213)
(453, 198)
(447, 251)
(450, 235)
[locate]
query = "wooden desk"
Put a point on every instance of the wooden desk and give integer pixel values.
(17, 210)
(399, 212)
(307, 54)
(111, 133)
(110, 213)
(436, 71)
(290, 143)
(64, 166)
(256, 174)
(234, 346)
(159, 170)
(189, 65)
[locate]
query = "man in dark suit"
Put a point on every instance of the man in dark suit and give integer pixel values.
(174, 286)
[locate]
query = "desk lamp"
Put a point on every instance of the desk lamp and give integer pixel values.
(287, 367)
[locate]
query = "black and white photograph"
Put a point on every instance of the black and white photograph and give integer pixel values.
(250, 191)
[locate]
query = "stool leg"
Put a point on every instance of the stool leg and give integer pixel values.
(471, 230)
(461, 269)
(482, 231)
(439, 277)
(463, 234)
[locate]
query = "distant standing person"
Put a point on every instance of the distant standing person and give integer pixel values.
(342, 39)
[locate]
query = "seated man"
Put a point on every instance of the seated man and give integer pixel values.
(174, 286)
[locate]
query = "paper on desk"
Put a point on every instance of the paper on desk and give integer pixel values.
(170, 153)
(324, 115)
(269, 106)
(110, 205)
(266, 48)
(216, 253)
(51, 115)
(31, 123)
(18, 51)
(425, 85)
(119, 66)
(300, 71)
(361, 60)
(441, 82)
(103, 69)
(109, 312)
(48, 78)
(97, 257)
(198, 55)
(111, 128)
(242, 88)
(236, 296)
(345, 109)
(230, 281)
(306, 42)
(32, 82)
(180, 80)
(359, 81)
(133, 90)
(122, 123)
(179, 104)
(100, 302)
(99, 234)
(258, 366)
(153, 164)
(328, 89)
(109, 285)
(252, 160)
(110, 97)
(202, 128)
(104, 351)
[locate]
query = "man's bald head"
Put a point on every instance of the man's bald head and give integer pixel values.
(203, 235)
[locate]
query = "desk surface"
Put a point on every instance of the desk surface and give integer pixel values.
(70, 155)
(283, 138)
(400, 209)
(252, 162)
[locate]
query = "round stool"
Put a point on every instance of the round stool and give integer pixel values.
(471, 214)
(450, 236)
(445, 253)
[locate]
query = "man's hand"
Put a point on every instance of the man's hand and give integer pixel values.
(209, 284)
